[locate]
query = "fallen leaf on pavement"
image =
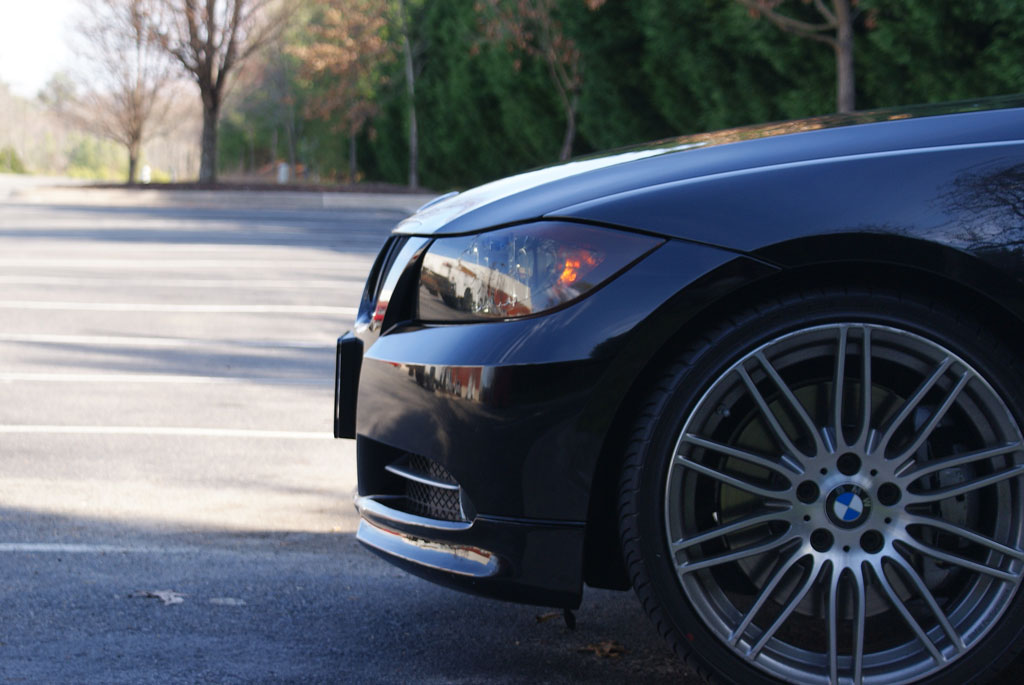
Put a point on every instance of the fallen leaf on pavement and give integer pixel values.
(166, 596)
(605, 649)
(548, 616)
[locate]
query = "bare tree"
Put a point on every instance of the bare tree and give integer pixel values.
(210, 38)
(125, 98)
(834, 27)
(410, 91)
(264, 89)
(531, 27)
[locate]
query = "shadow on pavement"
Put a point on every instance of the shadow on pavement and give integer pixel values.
(344, 230)
(279, 607)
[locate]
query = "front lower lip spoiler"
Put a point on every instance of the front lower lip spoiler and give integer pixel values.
(464, 560)
(457, 559)
(521, 560)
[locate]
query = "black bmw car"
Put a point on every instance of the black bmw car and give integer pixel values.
(772, 378)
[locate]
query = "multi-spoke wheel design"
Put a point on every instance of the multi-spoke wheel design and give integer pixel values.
(843, 504)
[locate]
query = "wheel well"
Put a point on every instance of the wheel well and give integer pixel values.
(603, 563)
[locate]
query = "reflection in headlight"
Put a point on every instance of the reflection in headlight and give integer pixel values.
(520, 270)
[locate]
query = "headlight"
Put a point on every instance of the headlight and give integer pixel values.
(521, 270)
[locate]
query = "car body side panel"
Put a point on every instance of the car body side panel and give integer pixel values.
(530, 397)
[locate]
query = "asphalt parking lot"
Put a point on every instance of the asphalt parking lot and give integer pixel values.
(172, 506)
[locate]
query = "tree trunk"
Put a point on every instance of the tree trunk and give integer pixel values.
(289, 131)
(845, 89)
(208, 157)
(570, 128)
(353, 163)
(410, 87)
(133, 162)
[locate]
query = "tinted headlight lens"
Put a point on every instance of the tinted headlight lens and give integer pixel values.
(521, 270)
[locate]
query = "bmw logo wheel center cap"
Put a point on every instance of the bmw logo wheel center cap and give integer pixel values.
(848, 506)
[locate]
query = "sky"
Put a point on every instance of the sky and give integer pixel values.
(33, 37)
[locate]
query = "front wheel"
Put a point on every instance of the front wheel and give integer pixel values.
(830, 489)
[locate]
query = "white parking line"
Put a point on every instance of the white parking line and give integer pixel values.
(81, 548)
(190, 308)
(148, 264)
(65, 548)
(266, 283)
(167, 431)
(59, 548)
(11, 377)
(133, 341)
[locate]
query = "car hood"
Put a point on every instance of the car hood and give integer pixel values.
(555, 191)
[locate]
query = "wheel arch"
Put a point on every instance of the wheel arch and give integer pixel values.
(875, 261)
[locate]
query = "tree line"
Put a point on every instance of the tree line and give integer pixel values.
(450, 93)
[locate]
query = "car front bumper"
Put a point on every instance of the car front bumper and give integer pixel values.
(478, 443)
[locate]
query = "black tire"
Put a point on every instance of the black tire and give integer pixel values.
(703, 604)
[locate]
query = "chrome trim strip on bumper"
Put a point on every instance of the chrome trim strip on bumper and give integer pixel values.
(409, 474)
(374, 507)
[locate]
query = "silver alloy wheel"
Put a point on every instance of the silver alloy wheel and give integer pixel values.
(828, 534)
